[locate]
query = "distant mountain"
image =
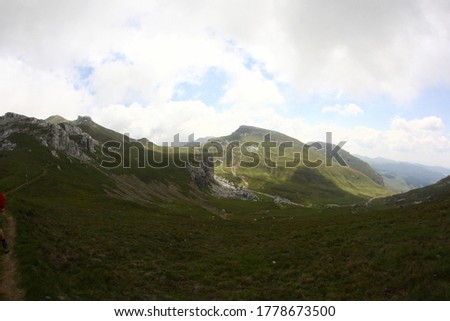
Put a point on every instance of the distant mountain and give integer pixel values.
(356, 163)
(403, 176)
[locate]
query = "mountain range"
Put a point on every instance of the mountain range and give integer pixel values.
(254, 215)
(403, 176)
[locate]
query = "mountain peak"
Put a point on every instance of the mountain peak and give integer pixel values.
(258, 133)
(56, 119)
(55, 133)
(83, 120)
(248, 129)
(14, 116)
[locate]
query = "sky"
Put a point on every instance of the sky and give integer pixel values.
(374, 73)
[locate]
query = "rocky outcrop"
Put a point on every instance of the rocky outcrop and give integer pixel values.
(63, 137)
(284, 201)
(202, 173)
(6, 145)
(83, 120)
(203, 176)
(224, 188)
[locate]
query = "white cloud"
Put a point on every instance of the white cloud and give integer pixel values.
(249, 88)
(423, 137)
(428, 124)
(140, 51)
(39, 93)
(419, 140)
(359, 47)
(344, 110)
(161, 124)
(352, 47)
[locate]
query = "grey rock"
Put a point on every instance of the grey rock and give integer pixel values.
(225, 189)
(6, 145)
(63, 137)
(202, 173)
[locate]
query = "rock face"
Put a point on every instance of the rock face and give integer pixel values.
(203, 176)
(7, 145)
(224, 188)
(63, 137)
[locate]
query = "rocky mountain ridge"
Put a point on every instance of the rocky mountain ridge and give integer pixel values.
(70, 137)
(81, 139)
(63, 137)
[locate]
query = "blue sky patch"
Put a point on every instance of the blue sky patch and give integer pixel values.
(84, 72)
(209, 89)
(250, 62)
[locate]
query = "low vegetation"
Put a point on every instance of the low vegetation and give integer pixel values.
(85, 233)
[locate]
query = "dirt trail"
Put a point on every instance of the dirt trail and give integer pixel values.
(9, 279)
(28, 182)
(9, 285)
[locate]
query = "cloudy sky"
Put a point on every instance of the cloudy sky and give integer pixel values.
(375, 73)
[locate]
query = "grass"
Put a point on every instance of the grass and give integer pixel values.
(120, 251)
(74, 242)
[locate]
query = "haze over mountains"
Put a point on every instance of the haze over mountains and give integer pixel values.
(395, 175)
(404, 176)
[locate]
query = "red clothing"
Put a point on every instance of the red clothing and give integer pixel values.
(2, 202)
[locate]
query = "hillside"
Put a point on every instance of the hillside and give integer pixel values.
(303, 182)
(439, 191)
(357, 164)
(85, 232)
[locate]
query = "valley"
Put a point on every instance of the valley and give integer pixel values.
(85, 232)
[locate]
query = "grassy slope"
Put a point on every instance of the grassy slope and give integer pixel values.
(356, 163)
(439, 191)
(74, 242)
(335, 184)
(100, 133)
(396, 183)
